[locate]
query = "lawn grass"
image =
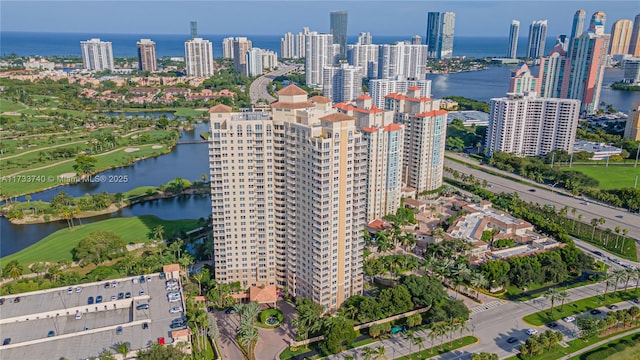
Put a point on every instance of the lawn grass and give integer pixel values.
(58, 245)
(632, 352)
(436, 351)
(578, 307)
(6, 105)
(288, 353)
(37, 180)
(514, 293)
(611, 177)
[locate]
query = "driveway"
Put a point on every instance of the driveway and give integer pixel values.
(273, 341)
(227, 324)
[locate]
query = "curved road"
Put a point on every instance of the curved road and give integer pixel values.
(259, 87)
(613, 216)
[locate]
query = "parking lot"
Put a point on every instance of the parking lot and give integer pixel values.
(102, 325)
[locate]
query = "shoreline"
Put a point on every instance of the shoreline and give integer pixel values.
(109, 210)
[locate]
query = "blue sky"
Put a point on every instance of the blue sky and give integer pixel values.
(473, 18)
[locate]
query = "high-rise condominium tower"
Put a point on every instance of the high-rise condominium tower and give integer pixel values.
(632, 129)
(445, 40)
(253, 62)
(584, 73)
(365, 57)
(620, 37)
(146, 55)
(401, 61)
(424, 138)
(240, 47)
(433, 33)
(537, 39)
(97, 55)
(364, 38)
(527, 125)
(634, 44)
(522, 81)
(288, 46)
(597, 23)
(416, 40)
(577, 27)
(338, 25)
(342, 83)
(551, 73)
(227, 48)
(320, 52)
(198, 57)
(514, 30)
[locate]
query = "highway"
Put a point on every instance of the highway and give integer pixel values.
(259, 87)
(542, 194)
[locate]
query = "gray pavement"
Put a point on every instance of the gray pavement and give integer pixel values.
(96, 330)
(543, 195)
(258, 89)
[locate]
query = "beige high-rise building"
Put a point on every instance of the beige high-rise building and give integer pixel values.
(634, 46)
(97, 55)
(424, 138)
(240, 47)
(198, 57)
(288, 198)
(632, 130)
(146, 55)
(227, 48)
(620, 37)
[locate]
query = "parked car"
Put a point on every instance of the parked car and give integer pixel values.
(70, 290)
(142, 279)
(114, 298)
(6, 341)
(99, 299)
(636, 300)
(142, 307)
(114, 283)
(120, 296)
(148, 278)
(1, 301)
(78, 315)
(16, 299)
(106, 285)
(532, 332)
(175, 309)
(177, 325)
(141, 292)
(162, 276)
(595, 312)
(79, 289)
(90, 300)
(229, 311)
(612, 307)
(51, 333)
(127, 295)
(552, 325)
(119, 330)
(569, 319)
(145, 326)
(512, 340)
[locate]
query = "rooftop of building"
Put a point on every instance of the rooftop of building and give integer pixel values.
(292, 90)
(337, 117)
(220, 108)
(320, 99)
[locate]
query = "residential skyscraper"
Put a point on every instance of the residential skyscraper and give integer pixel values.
(194, 29)
(522, 81)
(577, 26)
(342, 83)
(433, 34)
(631, 67)
(527, 125)
(240, 47)
(634, 44)
(416, 40)
(632, 129)
(227, 48)
(424, 138)
(320, 52)
(338, 26)
(563, 41)
(514, 30)
(146, 55)
(537, 39)
(401, 61)
(97, 55)
(253, 62)
(301, 37)
(288, 46)
(198, 56)
(445, 40)
(551, 73)
(365, 57)
(584, 73)
(380, 88)
(597, 23)
(269, 59)
(364, 38)
(620, 37)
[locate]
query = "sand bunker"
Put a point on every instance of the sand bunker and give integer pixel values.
(157, 147)
(67, 175)
(130, 150)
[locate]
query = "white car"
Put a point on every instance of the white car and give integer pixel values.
(79, 289)
(569, 319)
(532, 332)
(78, 315)
(175, 309)
(70, 290)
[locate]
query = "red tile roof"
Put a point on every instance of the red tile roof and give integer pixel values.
(431, 113)
(373, 110)
(412, 88)
(392, 127)
(369, 129)
(288, 105)
(399, 96)
(220, 108)
(363, 97)
(320, 99)
(292, 90)
(262, 295)
(336, 117)
(171, 268)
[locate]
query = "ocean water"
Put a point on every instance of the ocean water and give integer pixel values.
(47, 44)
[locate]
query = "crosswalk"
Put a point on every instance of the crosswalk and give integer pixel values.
(485, 307)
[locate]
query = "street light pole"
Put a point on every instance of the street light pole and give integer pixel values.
(637, 153)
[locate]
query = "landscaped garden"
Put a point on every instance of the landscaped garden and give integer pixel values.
(271, 318)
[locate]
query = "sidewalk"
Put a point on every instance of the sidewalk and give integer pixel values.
(599, 343)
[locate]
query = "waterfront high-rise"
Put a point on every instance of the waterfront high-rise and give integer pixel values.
(632, 129)
(146, 55)
(445, 40)
(380, 88)
(401, 61)
(227, 48)
(584, 73)
(563, 41)
(320, 52)
(537, 39)
(253, 62)
(97, 55)
(198, 55)
(597, 23)
(527, 125)
(551, 73)
(634, 44)
(301, 50)
(342, 82)
(577, 27)
(416, 40)
(288, 46)
(240, 47)
(364, 38)
(424, 138)
(365, 57)
(522, 81)
(620, 37)
(338, 26)
(433, 34)
(514, 30)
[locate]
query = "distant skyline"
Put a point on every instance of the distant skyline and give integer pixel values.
(473, 18)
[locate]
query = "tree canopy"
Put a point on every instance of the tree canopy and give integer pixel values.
(98, 247)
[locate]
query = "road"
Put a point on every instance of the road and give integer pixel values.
(542, 194)
(259, 87)
(493, 327)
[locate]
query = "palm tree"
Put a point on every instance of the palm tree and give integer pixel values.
(198, 277)
(13, 269)
(551, 295)
(158, 232)
(249, 339)
(419, 342)
(628, 275)
(617, 276)
(382, 239)
(478, 281)
(462, 327)
(368, 353)
(409, 336)
(123, 348)
(594, 223)
(606, 277)
(381, 351)
(176, 247)
(251, 311)
(441, 329)
(433, 335)
(562, 296)
(637, 270)
(452, 325)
